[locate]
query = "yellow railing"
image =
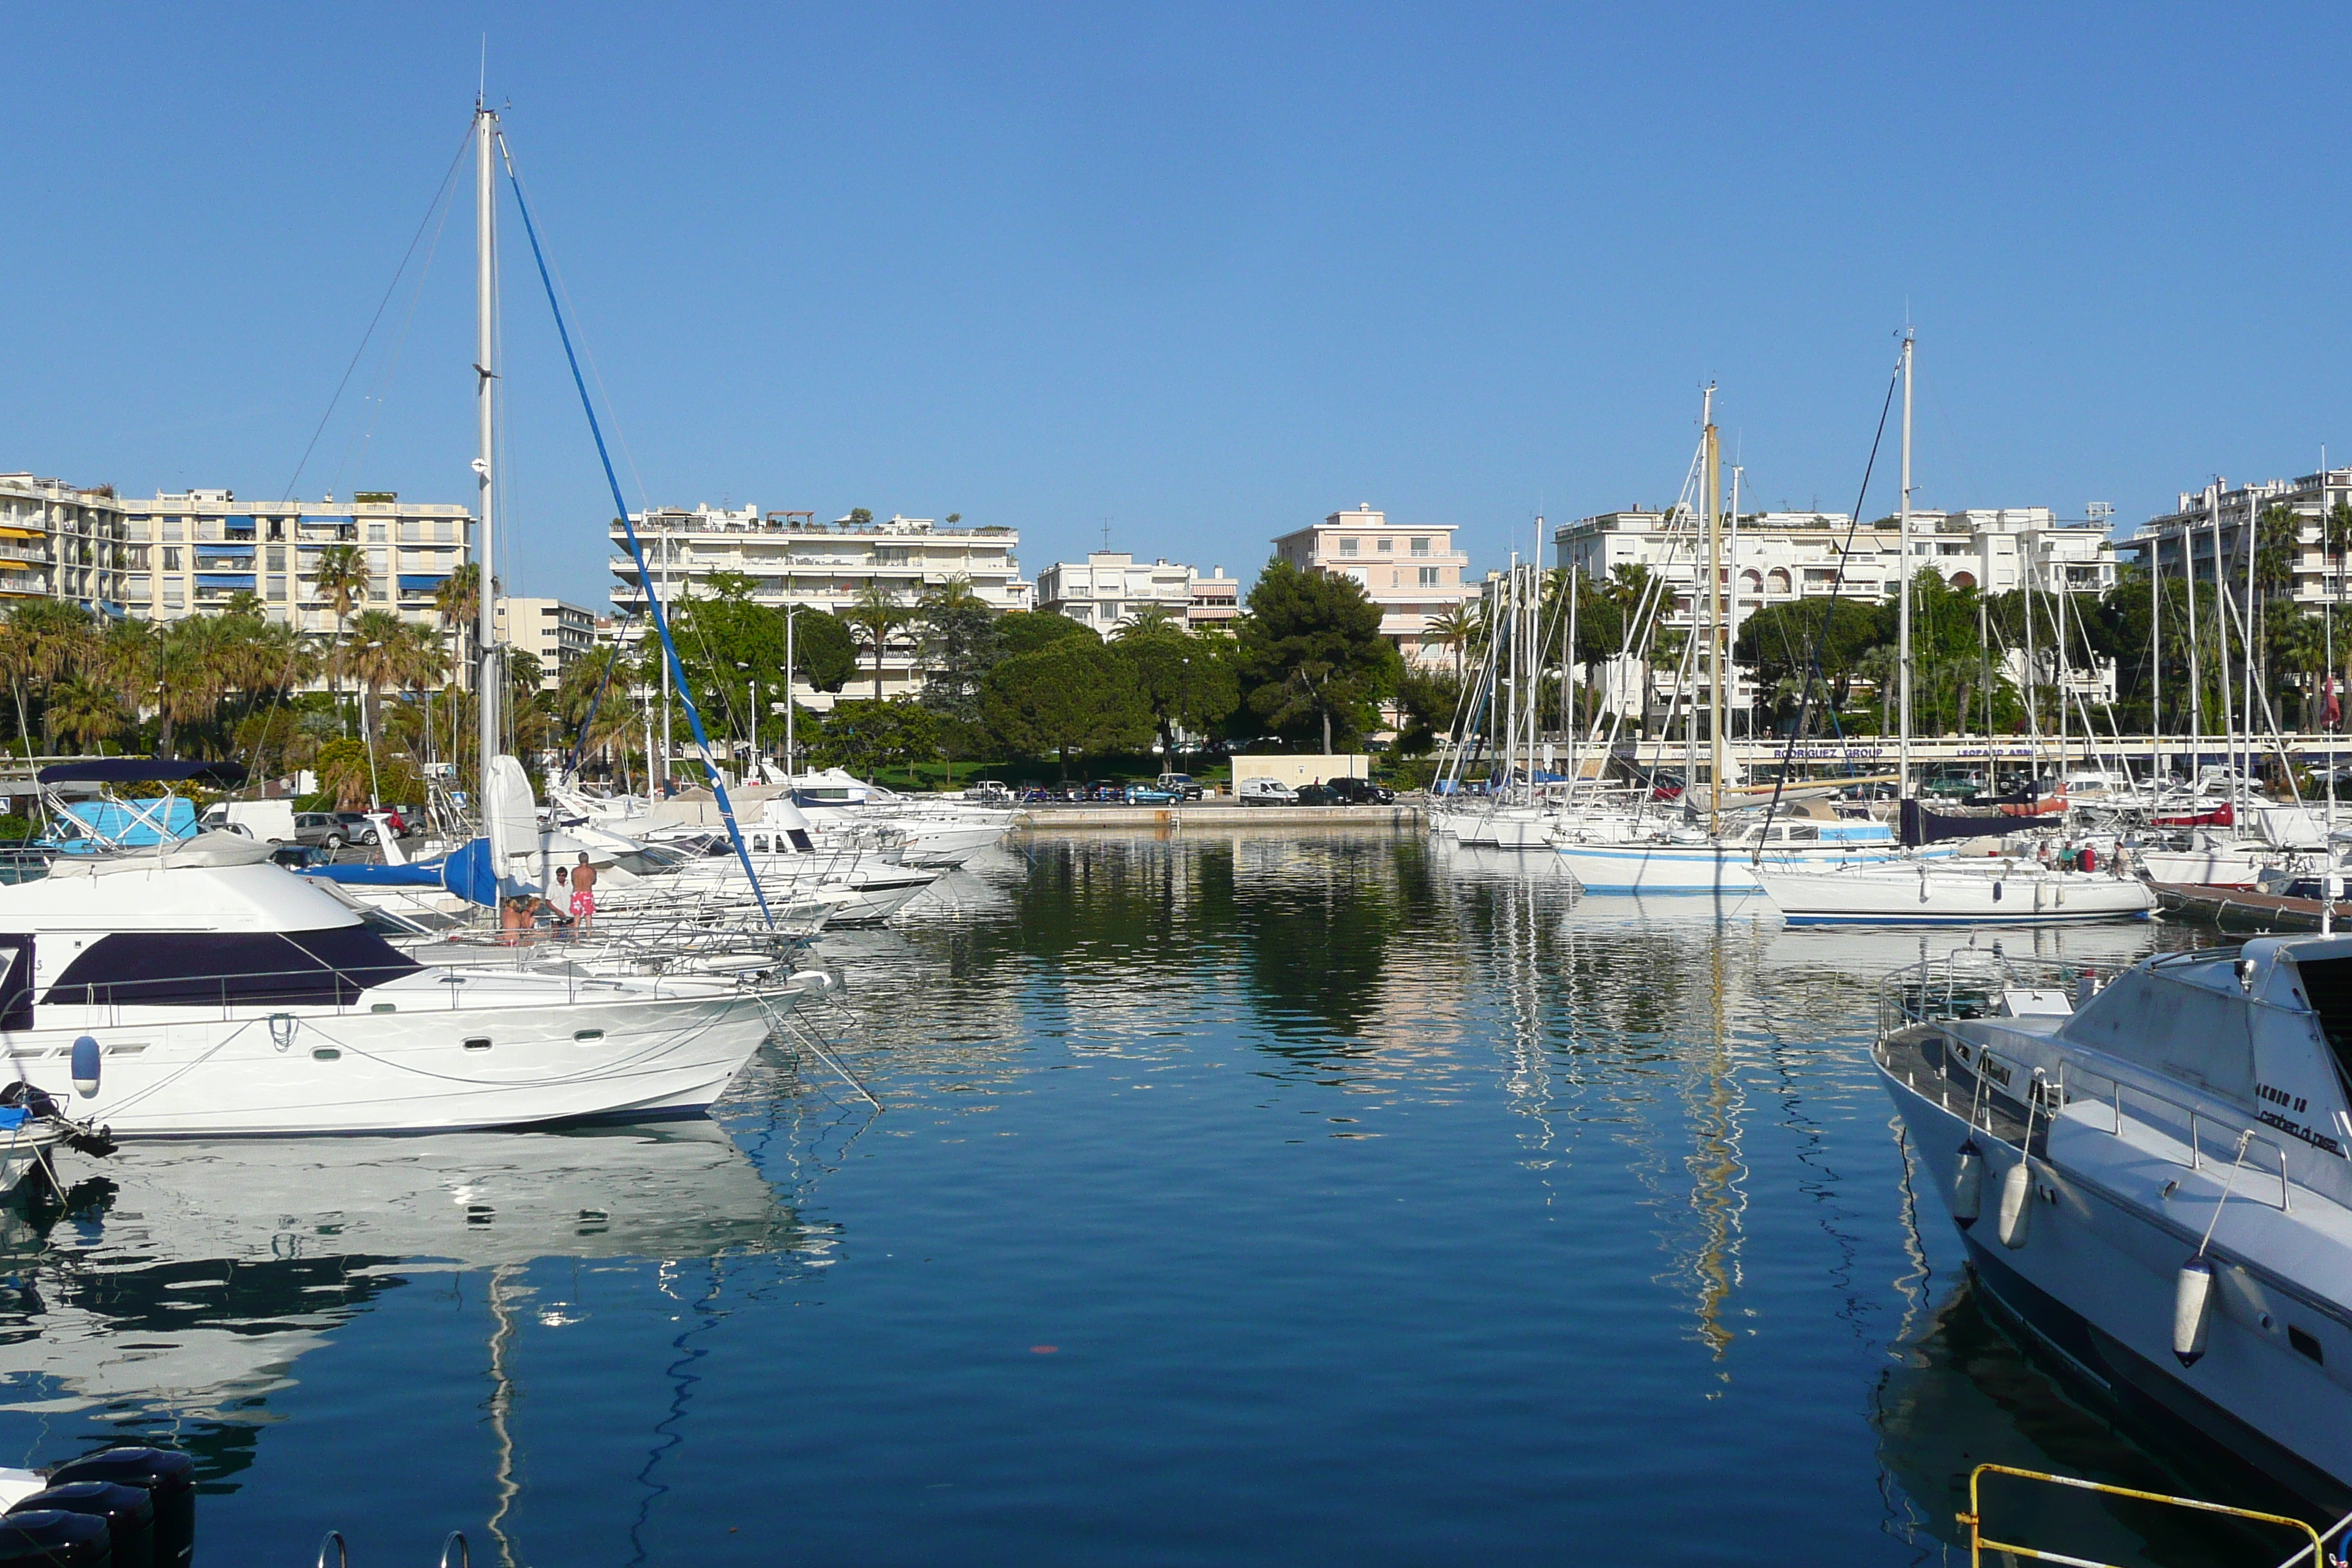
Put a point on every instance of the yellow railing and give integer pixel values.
(1979, 1543)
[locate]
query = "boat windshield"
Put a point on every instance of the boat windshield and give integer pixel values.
(2327, 982)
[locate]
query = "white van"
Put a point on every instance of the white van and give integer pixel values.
(271, 821)
(1264, 792)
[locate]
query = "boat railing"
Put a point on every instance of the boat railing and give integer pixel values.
(1968, 983)
(2081, 1080)
(1982, 1541)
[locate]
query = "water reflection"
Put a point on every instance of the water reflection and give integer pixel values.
(1540, 1216)
(178, 1291)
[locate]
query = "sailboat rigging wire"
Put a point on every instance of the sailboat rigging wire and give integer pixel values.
(439, 197)
(1829, 613)
(636, 551)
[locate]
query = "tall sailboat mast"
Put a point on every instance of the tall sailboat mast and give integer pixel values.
(1903, 614)
(487, 682)
(1712, 482)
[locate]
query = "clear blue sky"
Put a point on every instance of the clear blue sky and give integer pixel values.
(1208, 273)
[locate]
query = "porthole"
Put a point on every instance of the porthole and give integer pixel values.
(325, 1053)
(586, 1036)
(478, 1043)
(384, 1007)
(2307, 1342)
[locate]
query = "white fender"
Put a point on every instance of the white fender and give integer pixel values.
(1968, 1184)
(2017, 1205)
(2192, 1309)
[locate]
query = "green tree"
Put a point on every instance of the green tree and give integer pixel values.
(867, 737)
(1187, 682)
(1311, 651)
(1457, 627)
(959, 646)
(1075, 697)
(1027, 631)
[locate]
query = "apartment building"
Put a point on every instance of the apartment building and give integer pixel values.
(59, 541)
(2188, 533)
(1216, 601)
(1109, 586)
(557, 633)
(189, 551)
(791, 558)
(1776, 557)
(1414, 573)
(184, 552)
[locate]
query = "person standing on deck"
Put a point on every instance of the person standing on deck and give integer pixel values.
(584, 892)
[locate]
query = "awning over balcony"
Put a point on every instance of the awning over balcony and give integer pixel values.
(225, 580)
(422, 582)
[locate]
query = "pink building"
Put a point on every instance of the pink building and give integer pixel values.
(1414, 573)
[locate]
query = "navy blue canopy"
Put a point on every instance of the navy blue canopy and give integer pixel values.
(141, 770)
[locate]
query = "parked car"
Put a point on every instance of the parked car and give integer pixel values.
(357, 828)
(1150, 795)
(1182, 783)
(1361, 792)
(1110, 791)
(1264, 792)
(1315, 794)
(320, 830)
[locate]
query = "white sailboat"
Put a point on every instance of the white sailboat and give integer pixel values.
(1914, 890)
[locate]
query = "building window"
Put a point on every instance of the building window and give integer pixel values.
(171, 559)
(171, 528)
(1347, 547)
(172, 597)
(277, 558)
(1429, 576)
(278, 587)
(1387, 546)
(1421, 547)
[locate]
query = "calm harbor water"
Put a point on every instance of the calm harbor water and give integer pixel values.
(1238, 1197)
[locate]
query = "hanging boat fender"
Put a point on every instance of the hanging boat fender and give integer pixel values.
(1967, 1185)
(2017, 1205)
(2192, 1309)
(85, 1066)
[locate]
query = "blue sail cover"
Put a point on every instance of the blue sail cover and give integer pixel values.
(464, 871)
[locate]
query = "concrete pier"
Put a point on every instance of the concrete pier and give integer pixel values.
(1216, 814)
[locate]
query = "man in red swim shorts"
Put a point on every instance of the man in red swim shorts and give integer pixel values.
(584, 893)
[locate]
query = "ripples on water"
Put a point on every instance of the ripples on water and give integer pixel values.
(1244, 1197)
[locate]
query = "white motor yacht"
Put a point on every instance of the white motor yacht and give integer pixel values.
(2153, 1176)
(226, 994)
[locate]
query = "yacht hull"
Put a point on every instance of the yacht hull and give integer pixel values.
(1891, 895)
(2093, 1285)
(1662, 870)
(248, 1071)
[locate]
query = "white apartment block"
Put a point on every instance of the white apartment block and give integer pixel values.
(1109, 586)
(2317, 577)
(197, 550)
(186, 552)
(59, 542)
(792, 558)
(1414, 573)
(557, 633)
(1777, 557)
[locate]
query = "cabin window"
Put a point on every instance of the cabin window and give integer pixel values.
(2327, 982)
(2306, 1342)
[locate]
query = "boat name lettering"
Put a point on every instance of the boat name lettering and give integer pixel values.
(2316, 1140)
(2281, 1096)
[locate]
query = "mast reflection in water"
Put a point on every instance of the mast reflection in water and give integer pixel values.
(1253, 1196)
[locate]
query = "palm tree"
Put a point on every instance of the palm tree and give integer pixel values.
(877, 614)
(458, 601)
(340, 578)
(84, 709)
(1146, 619)
(191, 670)
(1457, 627)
